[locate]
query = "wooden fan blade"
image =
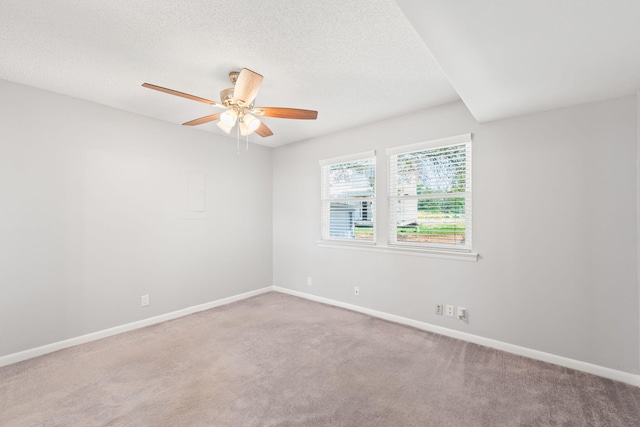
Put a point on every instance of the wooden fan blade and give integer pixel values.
(181, 94)
(247, 86)
(202, 120)
(287, 113)
(263, 130)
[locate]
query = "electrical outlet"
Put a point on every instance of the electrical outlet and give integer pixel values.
(450, 310)
(462, 313)
(144, 300)
(356, 290)
(439, 309)
(309, 282)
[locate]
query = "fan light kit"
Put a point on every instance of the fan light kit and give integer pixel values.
(238, 103)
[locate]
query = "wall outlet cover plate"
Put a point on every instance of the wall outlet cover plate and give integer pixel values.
(450, 310)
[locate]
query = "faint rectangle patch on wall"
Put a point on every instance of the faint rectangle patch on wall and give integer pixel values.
(195, 195)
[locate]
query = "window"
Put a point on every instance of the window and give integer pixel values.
(348, 198)
(430, 194)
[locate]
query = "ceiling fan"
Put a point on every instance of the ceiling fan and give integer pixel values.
(238, 103)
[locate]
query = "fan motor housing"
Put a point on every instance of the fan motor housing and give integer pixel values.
(226, 95)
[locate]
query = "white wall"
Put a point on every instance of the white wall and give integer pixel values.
(92, 216)
(554, 205)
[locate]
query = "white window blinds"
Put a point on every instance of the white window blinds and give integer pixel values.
(348, 198)
(430, 194)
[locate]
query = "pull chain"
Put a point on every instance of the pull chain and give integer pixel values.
(238, 137)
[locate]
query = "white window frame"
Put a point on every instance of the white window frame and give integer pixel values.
(326, 201)
(392, 154)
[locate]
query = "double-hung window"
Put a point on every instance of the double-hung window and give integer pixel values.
(348, 188)
(430, 194)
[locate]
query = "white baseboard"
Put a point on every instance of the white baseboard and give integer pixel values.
(590, 368)
(49, 348)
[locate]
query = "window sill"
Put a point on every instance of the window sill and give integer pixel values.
(372, 247)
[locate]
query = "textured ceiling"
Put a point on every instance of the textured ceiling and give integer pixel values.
(508, 58)
(354, 61)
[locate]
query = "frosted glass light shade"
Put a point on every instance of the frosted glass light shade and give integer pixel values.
(244, 130)
(251, 122)
(229, 118)
(225, 128)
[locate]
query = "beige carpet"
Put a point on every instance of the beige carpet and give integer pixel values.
(277, 360)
